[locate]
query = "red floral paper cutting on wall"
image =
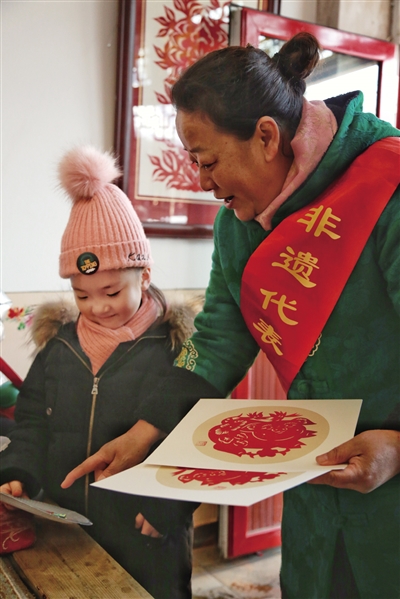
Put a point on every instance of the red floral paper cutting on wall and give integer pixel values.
(191, 30)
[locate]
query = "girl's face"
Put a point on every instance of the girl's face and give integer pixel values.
(110, 298)
(246, 175)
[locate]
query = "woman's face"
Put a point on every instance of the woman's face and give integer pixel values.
(246, 175)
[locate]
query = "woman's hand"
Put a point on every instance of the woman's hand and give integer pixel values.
(146, 528)
(14, 488)
(119, 454)
(373, 458)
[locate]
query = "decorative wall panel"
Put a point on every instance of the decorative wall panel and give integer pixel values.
(158, 40)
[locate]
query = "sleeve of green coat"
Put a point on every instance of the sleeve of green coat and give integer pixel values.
(388, 250)
(218, 355)
(222, 350)
(388, 247)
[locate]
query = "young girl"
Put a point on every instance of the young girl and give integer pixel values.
(94, 370)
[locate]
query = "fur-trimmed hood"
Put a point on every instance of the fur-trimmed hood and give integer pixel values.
(49, 317)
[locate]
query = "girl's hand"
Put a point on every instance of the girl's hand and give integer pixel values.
(146, 528)
(373, 458)
(14, 488)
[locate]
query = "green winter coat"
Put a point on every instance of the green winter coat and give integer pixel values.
(358, 357)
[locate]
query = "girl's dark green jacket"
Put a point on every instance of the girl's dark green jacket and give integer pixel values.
(60, 422)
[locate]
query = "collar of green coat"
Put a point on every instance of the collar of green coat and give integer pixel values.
(357, 131)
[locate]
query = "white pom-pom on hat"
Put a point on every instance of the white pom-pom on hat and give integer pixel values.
(84, 171)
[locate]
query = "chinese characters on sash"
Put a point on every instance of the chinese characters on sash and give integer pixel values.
(293, 280)
(300, 266)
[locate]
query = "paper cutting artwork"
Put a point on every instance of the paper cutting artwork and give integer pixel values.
(220, 486)
(198, 478)
(258, 435)
(266, 434)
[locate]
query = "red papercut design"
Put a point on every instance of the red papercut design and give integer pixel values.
(189, 38)
(212, 478)
(175, 169)
(268, 435)
(198, 32)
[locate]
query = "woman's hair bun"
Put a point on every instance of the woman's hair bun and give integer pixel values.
(299, 56)
(84, 171)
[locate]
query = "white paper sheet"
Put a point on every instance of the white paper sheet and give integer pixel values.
(239, 452)
(49, 511)
(203, 486)
(258, 435)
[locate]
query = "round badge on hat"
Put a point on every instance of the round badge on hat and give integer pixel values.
(88, 263)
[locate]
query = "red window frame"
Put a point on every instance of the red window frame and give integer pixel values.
(254, 23)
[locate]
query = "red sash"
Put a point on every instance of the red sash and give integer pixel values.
(294, 278)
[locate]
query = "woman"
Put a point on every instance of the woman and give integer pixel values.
(306, 266)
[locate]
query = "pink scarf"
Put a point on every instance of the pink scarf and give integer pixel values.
(313, 137)
(98, 342)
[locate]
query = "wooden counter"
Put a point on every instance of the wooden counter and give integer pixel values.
(65, 563)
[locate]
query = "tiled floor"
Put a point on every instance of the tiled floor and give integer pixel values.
(251, 577)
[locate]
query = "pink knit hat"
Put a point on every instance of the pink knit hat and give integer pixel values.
(103, 232)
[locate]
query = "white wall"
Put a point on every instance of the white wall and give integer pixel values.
(303, 10)
(58, 90)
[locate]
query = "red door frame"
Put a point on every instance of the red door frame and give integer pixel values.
(242, 539)
(258, 527)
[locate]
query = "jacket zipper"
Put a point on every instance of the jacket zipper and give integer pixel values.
(95, 392)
